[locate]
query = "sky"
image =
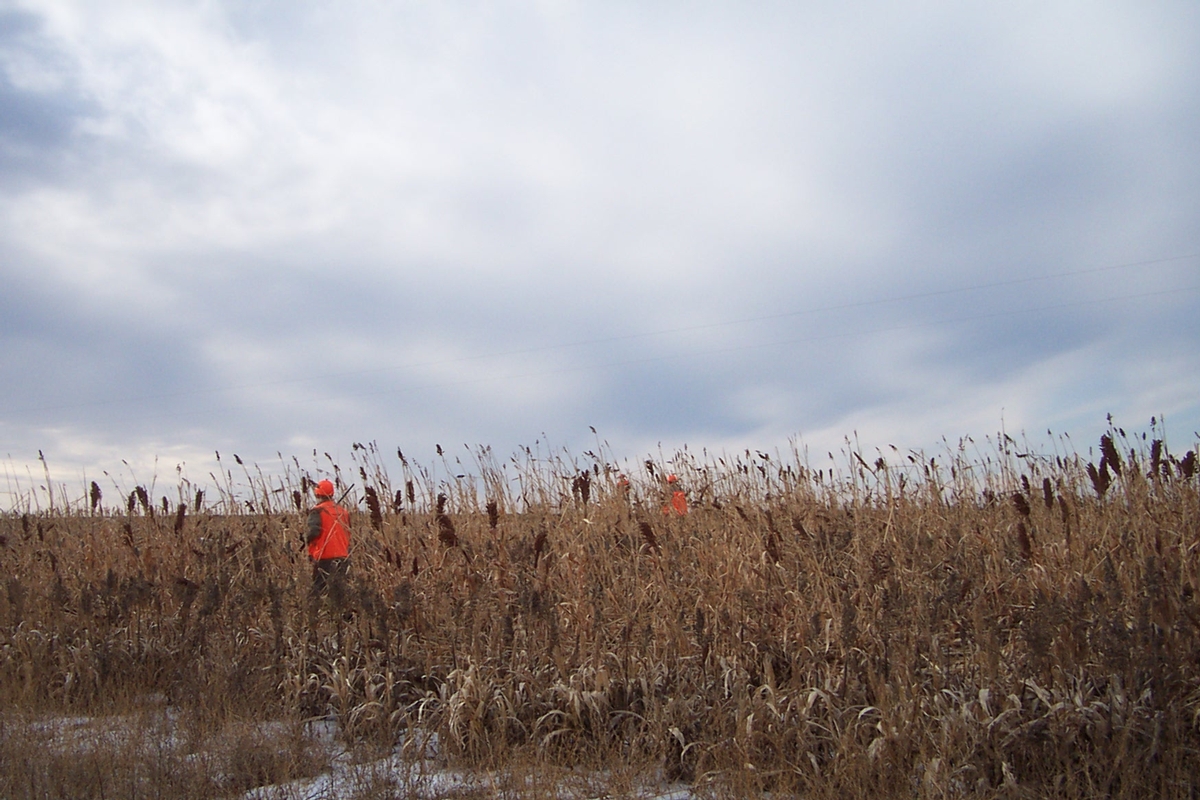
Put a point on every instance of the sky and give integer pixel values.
(264, 227)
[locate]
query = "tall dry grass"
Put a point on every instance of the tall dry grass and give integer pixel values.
(987, 622)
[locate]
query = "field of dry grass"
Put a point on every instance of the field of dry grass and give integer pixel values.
(983, 623)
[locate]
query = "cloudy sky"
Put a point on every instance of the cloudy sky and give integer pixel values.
(263, 227)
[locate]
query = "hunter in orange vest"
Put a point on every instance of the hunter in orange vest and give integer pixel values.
(677, 504)
(328, 541)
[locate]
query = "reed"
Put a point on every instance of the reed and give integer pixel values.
(892, 625)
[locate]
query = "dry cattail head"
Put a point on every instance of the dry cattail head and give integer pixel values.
(1108, 451)
(648, 537)
(1021, 504)
(581, 486)
(1100, 477)
(539, 545)
(446, 533)
(1155, 456)
(1024, 543)
(374, 508)
(1187, 467)
(143, 499)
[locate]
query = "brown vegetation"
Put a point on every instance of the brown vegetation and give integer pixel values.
(1002, 624)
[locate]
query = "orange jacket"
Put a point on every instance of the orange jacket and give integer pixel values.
(678, 504)
(328, 531)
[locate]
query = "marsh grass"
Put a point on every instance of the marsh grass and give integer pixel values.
(996, 624)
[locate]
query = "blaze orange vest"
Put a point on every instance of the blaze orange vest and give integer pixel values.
(678, 504)
(334, 541)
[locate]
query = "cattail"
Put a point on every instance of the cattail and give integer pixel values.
(1023, 542)
(1187, 467)
(446, 533)
(374, 508)
(651, 541)
(402, 601)
(95, 496)
(1156, 448)
(539, 545)
(581, 486)
(1048, 493)
(1100, 477)
(144, 499)
(179, 518)
(410, 492)
(1021, 504)
(1109, 451)
(493, 512)
(199, 501)
(297, 499)
(398, 502)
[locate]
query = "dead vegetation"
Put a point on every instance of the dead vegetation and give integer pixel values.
(998, 624)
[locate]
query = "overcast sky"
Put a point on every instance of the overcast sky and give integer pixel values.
(263, 227)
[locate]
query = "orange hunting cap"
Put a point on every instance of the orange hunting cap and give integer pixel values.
(324, 489)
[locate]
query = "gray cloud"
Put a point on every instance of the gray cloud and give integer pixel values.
(245, 226)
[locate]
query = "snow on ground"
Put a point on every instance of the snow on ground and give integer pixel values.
(421, 776)
(414, 770)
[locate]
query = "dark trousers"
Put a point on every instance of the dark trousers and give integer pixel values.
(329, 578)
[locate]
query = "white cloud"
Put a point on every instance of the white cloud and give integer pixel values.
(420, 186)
